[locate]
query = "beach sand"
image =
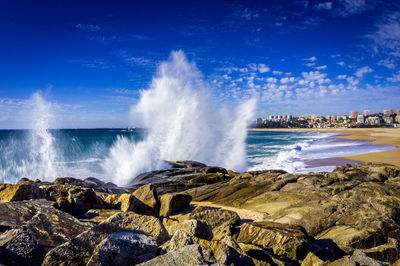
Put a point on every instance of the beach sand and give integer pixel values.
(377, 136)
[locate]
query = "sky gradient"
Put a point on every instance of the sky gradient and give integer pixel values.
(90, 59)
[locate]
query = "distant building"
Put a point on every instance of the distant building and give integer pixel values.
(270, 117)
(354, 114)
(398, 112)
(360, 119)
(367, 113)
(388, 119)
(373, 120)
(398, 119)
(388, 112)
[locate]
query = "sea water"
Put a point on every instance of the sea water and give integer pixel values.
(82, 153)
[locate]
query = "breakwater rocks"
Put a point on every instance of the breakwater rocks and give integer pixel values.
(193, 214)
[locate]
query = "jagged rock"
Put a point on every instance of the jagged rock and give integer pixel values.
(187, 255)
(79, 201)
(49, 226)
(229, 253)
(97, 216)
(285, 240)
(192, 227)
(349, 238)
(312, 260)
(362, 259)
(214, 170)
(388, 252)
(178, 240)
(20, 192)
(173, 203)
(148, 195)
(191, 164)
(126, 202)
(221, 221)
(78, 250)
(18, 247)
(124, 248)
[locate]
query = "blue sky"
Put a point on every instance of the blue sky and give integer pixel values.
(91, 58)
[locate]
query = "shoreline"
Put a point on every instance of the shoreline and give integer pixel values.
(375, 136)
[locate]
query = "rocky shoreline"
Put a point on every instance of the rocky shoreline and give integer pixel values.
(193, 214)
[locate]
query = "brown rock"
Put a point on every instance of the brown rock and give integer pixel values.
(79, 250)
(20, 192)
(285, 240)
(174, 202)
(148, 195)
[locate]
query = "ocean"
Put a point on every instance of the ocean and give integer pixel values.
(80, 153)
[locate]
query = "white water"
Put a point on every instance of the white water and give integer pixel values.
(184, 123)
(34, 155)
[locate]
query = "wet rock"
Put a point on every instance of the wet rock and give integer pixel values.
(20, 192)
(214, 170)
(49, 226)
(221, 221)
(79, 250)
(124, 248)
(192, 227)
(187, 255)
(18, 247)
(285, 240)
(173, 203)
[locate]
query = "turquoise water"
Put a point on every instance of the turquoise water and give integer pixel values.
(81, 153)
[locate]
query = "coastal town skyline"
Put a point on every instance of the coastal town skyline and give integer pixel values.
(92, 61)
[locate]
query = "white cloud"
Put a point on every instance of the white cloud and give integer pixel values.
(262, 68)
(351, 7)
(341, 63)
(321, 67)
(323, 6)
(386, 37)
(310, 64)
(389, 63)
(395, 77)
(87, 27)
(278, 73)
(341, 77)
(312, 59)
(272, 80)
(362, 71)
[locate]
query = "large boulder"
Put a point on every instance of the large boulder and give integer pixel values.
(172, 203)
(79, 250)
(285, 240)
(79, 201)
(49, 226)
(187, 255)
(178, 240)
(148, 195)
(192, 227)
(221, 221)
(20, 192)
(124, 248)
(18, 247)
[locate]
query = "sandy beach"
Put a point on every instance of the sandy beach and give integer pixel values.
(377, 136)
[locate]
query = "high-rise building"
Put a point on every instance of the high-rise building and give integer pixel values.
(388, 112)
(367, 113)
(354, 114)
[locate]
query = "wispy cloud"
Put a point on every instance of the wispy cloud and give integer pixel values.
(386, 37)
(311, 59)
(351, 7)
(126, 91)
(388, 63)
(105, 39)
(362, 71)
(323, 6)
(141, 37)
(88, 27)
